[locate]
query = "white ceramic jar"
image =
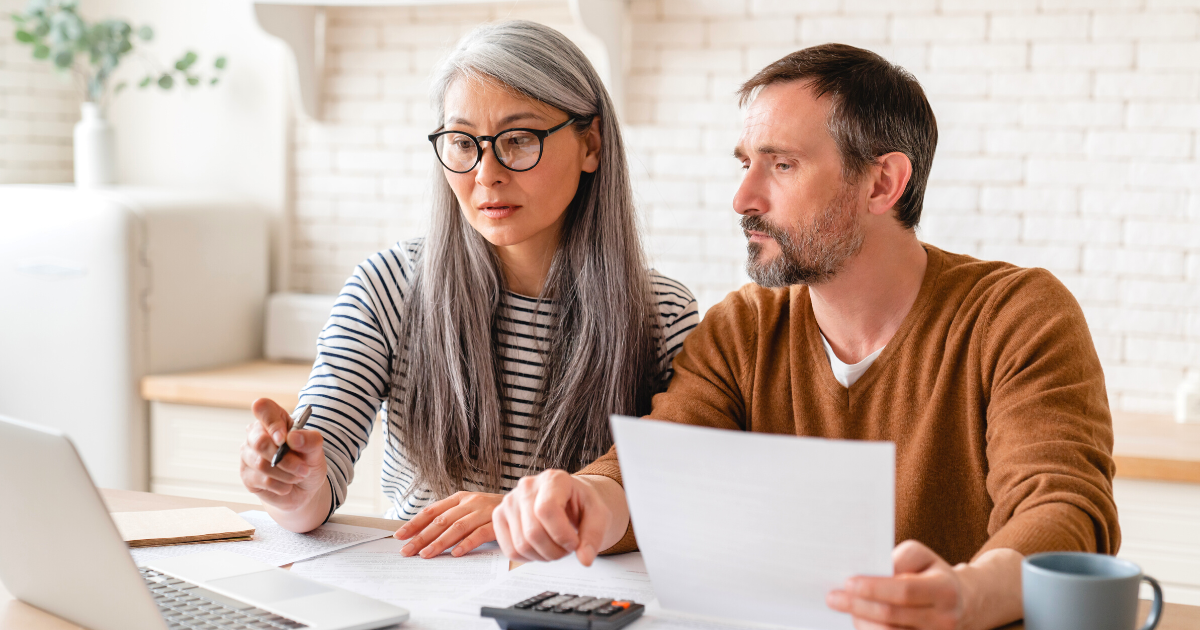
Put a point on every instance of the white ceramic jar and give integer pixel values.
(1187, 399)
(95, 149)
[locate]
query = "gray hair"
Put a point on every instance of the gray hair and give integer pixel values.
(601, 357)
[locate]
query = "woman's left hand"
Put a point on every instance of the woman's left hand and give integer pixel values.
(463, 518)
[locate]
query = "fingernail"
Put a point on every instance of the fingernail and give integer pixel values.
(407, 550)
(427, 553)
(278, 435)
(299, 440)
(457, 552)
(586, 554)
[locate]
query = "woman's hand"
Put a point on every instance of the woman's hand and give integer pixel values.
(463, 518)
(300, 475)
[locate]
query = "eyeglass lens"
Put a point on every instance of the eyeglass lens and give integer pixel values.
(516, 149)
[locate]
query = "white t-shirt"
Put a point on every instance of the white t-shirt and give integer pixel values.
(845, 373)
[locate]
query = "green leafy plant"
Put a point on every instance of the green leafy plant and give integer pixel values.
(92, 52)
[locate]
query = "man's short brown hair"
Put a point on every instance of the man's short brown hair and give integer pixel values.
(877, 108)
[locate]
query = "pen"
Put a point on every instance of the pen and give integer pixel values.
(300, 422)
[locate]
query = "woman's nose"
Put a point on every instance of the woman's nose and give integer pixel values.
(490, 171)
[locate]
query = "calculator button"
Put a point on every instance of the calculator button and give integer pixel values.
(552, 602)
(606, 610)
(571, 604)
(592, 605)
(623, 605)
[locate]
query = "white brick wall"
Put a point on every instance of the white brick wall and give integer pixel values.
(1070, 139)
(38, 110)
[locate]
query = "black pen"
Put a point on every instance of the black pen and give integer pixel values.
(300, 422)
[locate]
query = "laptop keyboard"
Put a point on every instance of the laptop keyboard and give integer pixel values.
(187, 606)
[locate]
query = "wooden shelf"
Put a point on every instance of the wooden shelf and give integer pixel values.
(235, 387)
(301, 25)
(1152, 446)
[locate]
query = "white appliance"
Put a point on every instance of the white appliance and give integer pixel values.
(101, 287)
(294, 322)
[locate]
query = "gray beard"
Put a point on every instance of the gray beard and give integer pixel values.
(811, 255)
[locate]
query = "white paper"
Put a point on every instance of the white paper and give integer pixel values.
(377, 570)
(655, 618)
(755, 527)
(618, 577)
(273, 544)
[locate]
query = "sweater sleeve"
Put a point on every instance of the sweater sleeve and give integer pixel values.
(710, 375)
(351, 375)
(1049, 430)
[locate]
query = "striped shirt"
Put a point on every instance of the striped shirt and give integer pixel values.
(352, 376)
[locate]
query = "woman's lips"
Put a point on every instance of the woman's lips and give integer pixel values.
(498, 212)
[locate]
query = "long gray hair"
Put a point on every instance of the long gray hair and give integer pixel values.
(600, 358)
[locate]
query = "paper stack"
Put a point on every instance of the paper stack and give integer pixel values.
(182, 527)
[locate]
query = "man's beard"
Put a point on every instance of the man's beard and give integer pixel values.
(810, 255)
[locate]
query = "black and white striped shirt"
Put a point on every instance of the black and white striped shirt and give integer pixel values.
(351, 377)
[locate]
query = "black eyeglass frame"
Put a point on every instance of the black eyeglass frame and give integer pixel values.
(541, 134)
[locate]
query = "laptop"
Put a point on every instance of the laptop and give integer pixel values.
(60, 551)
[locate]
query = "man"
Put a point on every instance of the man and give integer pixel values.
(983, 374)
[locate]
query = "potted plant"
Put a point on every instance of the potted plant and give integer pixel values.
(91, 52)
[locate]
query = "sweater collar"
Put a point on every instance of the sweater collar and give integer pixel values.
(813, 352)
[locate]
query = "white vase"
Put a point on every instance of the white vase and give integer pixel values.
(95, 149)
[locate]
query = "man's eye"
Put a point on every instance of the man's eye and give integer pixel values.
(783, 166)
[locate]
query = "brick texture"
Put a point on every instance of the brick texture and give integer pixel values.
(1070, 132)
(38, 110)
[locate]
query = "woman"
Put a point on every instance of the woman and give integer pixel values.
(501, 343)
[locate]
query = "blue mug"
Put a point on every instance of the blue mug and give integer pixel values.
(1084, 591)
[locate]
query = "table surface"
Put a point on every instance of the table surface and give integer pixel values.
(17, 615)
(1147, 446)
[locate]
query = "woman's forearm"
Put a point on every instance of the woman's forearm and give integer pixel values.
(306, 517)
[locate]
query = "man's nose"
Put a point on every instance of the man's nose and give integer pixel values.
(751, 195)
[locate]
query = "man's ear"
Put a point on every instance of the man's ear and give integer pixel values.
(890, 174)
(591, 142)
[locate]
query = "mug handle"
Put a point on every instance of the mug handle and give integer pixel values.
(1156, 607)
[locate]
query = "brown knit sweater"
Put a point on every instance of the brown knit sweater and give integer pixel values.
(991, 390)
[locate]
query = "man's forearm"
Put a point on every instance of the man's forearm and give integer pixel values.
(991, 589)
(613, 496)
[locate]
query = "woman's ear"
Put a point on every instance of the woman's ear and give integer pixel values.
(591, 145)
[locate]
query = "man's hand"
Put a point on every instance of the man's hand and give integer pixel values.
(554, 513)
(926, 593)
(463, 519)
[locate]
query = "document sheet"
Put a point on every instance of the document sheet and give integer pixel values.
(753, 527)
(273, 544)
(377, 570)
(622, 577)
(619, 577)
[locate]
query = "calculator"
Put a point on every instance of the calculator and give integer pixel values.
(564, 611)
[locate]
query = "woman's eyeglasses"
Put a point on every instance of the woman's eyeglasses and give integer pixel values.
(516, 149)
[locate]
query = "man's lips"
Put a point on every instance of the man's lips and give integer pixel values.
(498, 211)
(757, 237)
